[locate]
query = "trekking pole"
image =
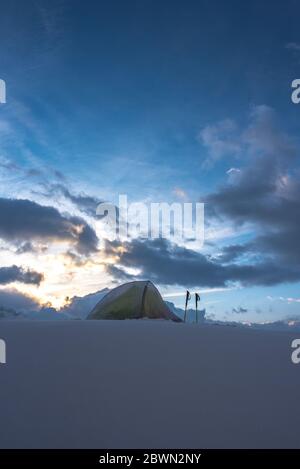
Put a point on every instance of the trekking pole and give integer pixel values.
(187, 299)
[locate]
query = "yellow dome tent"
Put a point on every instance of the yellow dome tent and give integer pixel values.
(133, 300)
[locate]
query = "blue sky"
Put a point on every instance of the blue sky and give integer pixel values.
(158, 100)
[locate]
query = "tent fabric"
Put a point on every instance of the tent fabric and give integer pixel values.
(133, 300)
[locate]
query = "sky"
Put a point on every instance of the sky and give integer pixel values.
(164, 101)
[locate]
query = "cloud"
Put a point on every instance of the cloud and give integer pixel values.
(220, 140)
(281, 298)
(265, 139)
(293, 46)
(233, 174)
(12, 298)
(163, 263)
(170, 264)
(80, 307)
(240, 310)
(25, 221)
(180, 193)
(28, 247)
(192, 315)
(119, 273)
(19, 274)
(233, 170)
(231, 253)
(261, 137)
(7, 164)
(266, 196)
(85, 203)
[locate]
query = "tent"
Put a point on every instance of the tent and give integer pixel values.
(133, 300)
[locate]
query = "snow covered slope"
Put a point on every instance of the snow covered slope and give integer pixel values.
(105, 384)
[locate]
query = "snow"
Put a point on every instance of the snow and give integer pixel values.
(147, 384)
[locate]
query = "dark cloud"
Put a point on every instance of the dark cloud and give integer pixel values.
(59, 175)
(34, 172)
(87, 240)
(240, 310)
(266, 197)
(26, 221)
(273, 215)
(85, 203)
(230, 253)
(19, 274)
(41, 173)
(30, 247)
(11, 298)
(119, 273)
(8, 165)
(164, 263)
(169, 264)
(25, 247)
